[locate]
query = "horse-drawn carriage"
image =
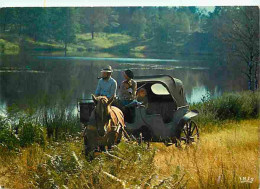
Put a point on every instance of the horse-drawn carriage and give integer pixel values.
(164, 118)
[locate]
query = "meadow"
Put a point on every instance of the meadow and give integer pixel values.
(226, 155)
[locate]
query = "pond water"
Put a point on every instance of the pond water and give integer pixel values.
(39, 79)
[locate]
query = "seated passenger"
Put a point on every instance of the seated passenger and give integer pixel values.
(141, 98)
(127, 89)
(106, 85)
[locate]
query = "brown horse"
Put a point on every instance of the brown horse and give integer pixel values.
(106, 125)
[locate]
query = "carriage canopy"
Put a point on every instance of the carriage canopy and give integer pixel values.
(163, 87)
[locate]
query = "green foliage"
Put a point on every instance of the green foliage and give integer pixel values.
(95, 19)
(14, 135)
(236, 33)
(60, 123)
(165, 25)
(65, 25)
(8, 139)
(7, 47)
(207, 111)
(138, 23)
(236, 106)
(30, 133)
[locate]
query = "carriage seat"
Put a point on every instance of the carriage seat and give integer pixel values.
(165, 109)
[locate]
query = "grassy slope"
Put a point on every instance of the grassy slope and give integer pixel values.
(218, 160)
(101, 42)
(83, 42)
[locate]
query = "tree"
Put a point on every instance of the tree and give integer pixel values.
(33, 22)
(95, 19)
(112, 25)
(6, 18)
(238, 29)
(152, 21)
(138, 24)
(64, 25)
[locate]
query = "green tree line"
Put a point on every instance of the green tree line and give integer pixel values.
(231, 33)
(62, 24)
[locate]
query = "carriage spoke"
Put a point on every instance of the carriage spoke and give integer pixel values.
(190, 133)
(186, 134)
(189, 128)
(193, 129)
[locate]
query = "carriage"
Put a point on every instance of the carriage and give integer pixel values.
(164, 118)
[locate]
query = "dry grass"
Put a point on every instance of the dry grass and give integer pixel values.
(221, 157)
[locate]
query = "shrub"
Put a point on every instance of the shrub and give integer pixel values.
(236, 106)
(229, 106)
(30, 133)
(8, 139)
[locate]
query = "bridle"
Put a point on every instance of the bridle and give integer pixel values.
(98, 117)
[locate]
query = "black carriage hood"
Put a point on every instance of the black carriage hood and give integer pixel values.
(174, 86)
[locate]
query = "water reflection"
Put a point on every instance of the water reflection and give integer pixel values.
(109, 59)
(200, 92)
(53, 81)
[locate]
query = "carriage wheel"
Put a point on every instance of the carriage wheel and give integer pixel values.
(190, 133)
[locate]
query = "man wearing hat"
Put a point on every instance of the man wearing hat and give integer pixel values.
(106, 85)
(127, 89)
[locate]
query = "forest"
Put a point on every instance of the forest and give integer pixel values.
(230, 34)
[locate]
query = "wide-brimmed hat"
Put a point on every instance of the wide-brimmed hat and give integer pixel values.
(129, 74)
(107, 69)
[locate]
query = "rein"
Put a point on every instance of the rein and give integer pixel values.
(98, 117)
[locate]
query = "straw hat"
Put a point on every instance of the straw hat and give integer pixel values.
(107, 69)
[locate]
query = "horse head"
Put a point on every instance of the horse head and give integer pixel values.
(102, 109)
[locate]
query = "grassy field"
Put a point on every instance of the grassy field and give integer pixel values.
(13, 44)
(102, 42)
(222, 156)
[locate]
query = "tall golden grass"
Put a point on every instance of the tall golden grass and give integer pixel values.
(223, 155)
(220, 158)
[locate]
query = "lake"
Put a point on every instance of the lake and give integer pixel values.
(37, 79)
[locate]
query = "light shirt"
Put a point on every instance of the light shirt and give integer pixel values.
(106, 87)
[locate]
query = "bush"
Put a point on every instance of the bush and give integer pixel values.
(229, 106)
(235, 106)
(8, 139)
(13, 135)
(30, 133)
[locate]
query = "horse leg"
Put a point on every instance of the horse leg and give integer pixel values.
(111, 139)
(90, 142)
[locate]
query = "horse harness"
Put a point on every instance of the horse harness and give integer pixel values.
(115, 120)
